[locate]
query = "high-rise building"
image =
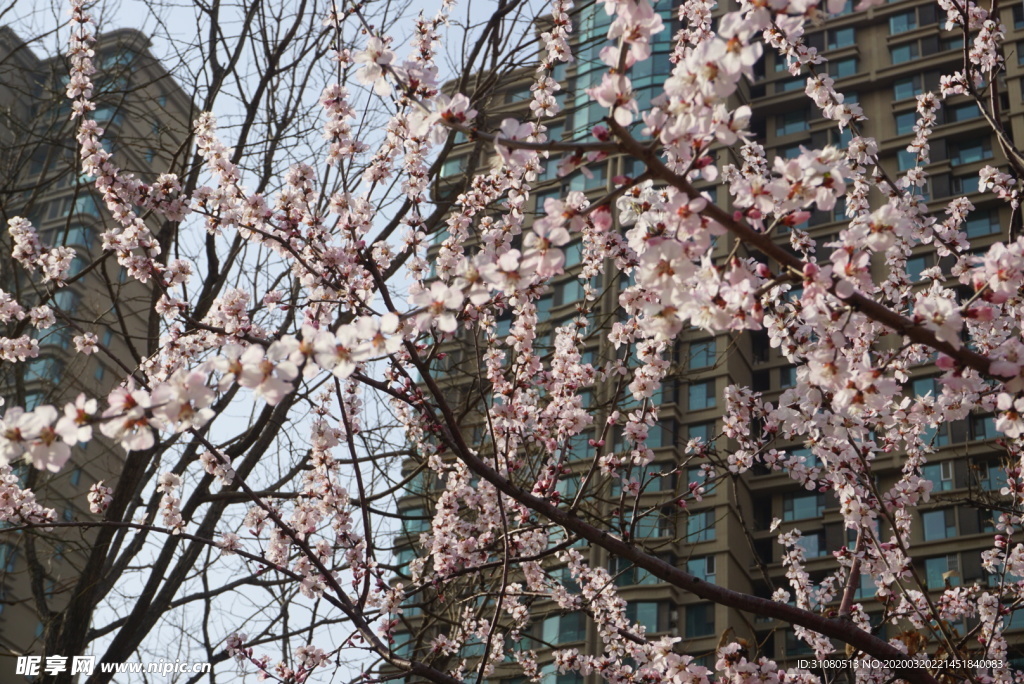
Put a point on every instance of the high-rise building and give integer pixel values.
(882, 59)
(145, 115)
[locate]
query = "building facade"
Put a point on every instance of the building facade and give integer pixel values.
(145, 115)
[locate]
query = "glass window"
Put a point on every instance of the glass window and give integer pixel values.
(702, 395)
(454, 166)
(44, 368)
(813, 544)
(954, 43)
(700, 526)
(936, 568)
(790, 152)
(923, 386)
(806, 453)
(700, 476)
(77, 234)
(8, 557)
(939, 524)
(403, 557)
(963, 112)
(787, 376)
(917, 264)
(791, 84)
(564, 629)
(843, 68)
(403, 645)
(905, 21)
(965, 185)
(980, 223)
(598, 177)
(991, 476)
(573, 253)
(1018, 16)
(662, 434)
(983, 427)
(802, 506)
(940, 475)
(700, 620)
(703, 431)
(626, 574)
(791, 122)
(88, 205)
(905, 88)
(866, 588)
(649, 526)
(415, 521)
(796, 646)
(840, 38)
(904, 53)
(969, 151)
(906, 159)
(650, 614)
(702, 354)
(702, 567)
(905, 122)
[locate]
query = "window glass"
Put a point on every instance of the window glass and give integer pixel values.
(983, 427)
(813, 544)
(963, 112)
(905, 122)
(415, 521)
(702, 395)
(791, 84)
(935, 568)
(700, 526)
(904, 53)
(626, 574)
(905, 88)
(843, 68)
(563, 629)
(700, 620)
(940, 475)
(981, 222)
(917, 264)
(965, 185)
(906, 159)
(791, 122)
(969, 151)
(938, 524)
(702, 354)
(645, 613)
(702, 431)
(796, 646)
(702, 567)
(905, 21)
(802, 506)
(840, 38)
(454, 166)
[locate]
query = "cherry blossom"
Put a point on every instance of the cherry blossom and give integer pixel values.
(374, 58)
(318, 330)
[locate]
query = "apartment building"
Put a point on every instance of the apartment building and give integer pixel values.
(146, 115)
(881, 58)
